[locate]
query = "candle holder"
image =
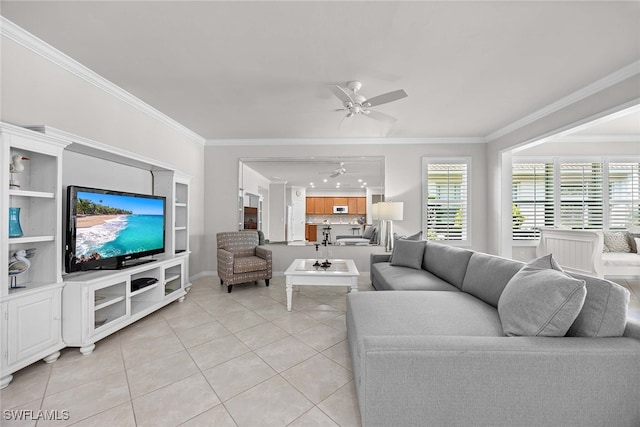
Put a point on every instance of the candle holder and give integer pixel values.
(317, 263)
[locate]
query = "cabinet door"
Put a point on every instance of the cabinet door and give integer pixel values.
(340, 201)
(362, 206)
(328, 206)
(353, 205)
(311, 205)
(34, 324)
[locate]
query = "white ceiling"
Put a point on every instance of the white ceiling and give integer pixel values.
(262, 69)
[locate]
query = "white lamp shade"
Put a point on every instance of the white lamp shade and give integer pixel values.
(393, 211)
(374, 211)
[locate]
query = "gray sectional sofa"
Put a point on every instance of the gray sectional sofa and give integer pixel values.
(461, 338)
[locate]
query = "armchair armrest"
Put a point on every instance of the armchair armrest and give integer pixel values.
(455, 380)
(263, 253)
(225, 264)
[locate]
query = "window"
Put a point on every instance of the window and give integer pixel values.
(601, 194)
(446, 199)
(624, 195)
(581, 202)
(532, 207)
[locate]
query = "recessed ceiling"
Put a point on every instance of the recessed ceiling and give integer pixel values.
(359, 173)
(240, 69)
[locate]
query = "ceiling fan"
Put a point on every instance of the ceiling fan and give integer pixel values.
(355, 103)
(340, 170)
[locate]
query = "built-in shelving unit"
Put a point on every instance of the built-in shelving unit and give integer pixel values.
(52, 310)
(31, 314)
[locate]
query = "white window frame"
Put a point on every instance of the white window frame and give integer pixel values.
(557, 160)
(466, 160)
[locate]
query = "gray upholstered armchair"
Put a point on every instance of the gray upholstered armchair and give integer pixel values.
(241, 259)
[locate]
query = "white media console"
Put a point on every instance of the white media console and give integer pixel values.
(99, 303)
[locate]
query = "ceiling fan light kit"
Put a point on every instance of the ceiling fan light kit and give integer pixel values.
(354, 103)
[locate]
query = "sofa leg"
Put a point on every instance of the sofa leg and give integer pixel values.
(229, 287)
(221, 282)
(267, 282)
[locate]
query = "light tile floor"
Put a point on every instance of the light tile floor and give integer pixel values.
(216, 359)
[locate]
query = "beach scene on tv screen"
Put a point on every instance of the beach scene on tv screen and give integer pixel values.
(110, 225)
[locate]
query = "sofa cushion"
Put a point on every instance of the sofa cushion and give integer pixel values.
(604, 313)
(446, 262)
(540, 302)
(487, 275)
(420, 313)
(248, 264)
(368, 232)
(408, 253)
(386, 277)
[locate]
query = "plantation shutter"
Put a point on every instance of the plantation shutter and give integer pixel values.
(581, 203)
(532, 196)
(447, 201)
(624, 195)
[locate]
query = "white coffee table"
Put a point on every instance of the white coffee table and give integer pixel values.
(342, 272)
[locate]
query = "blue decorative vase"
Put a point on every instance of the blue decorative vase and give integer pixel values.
(14, 223)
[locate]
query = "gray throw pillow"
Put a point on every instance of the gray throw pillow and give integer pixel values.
(545, 261)
(368, 232)
(540, 301)
(374, 236)
(632, 241)
(408, 253)
(604, 313)
(417, 236)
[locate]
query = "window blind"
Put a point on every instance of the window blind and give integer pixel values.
(624, 195)
(581, 198)
(532, 196)
(447, 201)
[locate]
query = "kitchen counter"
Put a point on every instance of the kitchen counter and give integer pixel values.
(338, 229)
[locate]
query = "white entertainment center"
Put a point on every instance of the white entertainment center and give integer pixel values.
(55, 310)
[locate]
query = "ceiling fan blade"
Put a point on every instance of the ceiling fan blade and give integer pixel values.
(385, 97)
(341, 94)
(382, 117)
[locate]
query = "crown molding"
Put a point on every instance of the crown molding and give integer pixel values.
(19, 35)
(585, 92)
(598, 138)
(341, 141)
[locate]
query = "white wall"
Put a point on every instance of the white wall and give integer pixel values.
(35, 91)
(277, 212)
(403, 177)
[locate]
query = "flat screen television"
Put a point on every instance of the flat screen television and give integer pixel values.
(112, 229)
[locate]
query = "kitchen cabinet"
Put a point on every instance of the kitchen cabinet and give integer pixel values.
(340, 201)
(311, 232)
(328, 205)
(353, 205)
(361, 208)
(310, 205)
